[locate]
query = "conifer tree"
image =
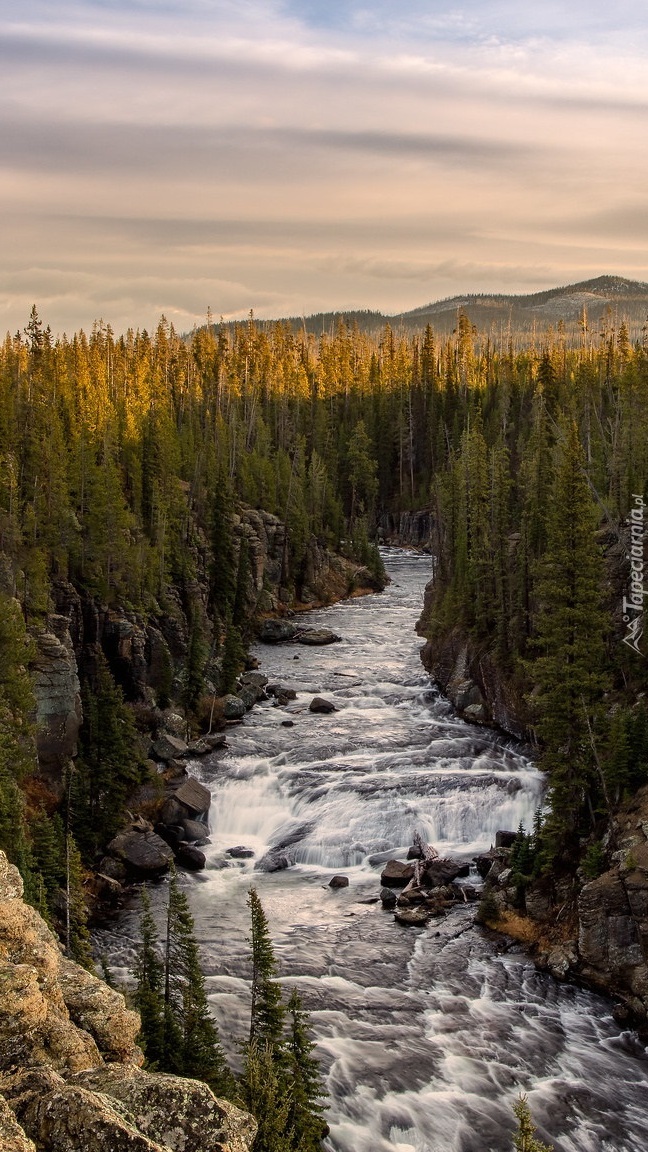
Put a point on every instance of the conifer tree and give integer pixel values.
(525, 1139)
(149, 994)
(267, 1012)
(189, 1026)
(305, 1125)
(570, 640)
(265, 1093)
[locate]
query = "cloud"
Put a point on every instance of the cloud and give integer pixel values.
(301, 155)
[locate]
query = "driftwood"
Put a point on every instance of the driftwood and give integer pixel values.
(428, 854)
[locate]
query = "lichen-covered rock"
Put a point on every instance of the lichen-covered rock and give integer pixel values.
(70, 1079)
(71, 1119)
(12, 1136)
(168, 747)
(101, 1011)
(182, 1115)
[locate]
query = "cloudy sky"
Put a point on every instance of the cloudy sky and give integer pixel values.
(313, 154)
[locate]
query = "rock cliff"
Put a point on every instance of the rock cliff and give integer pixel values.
(469, 675)
(70, 1070)
(592, 931)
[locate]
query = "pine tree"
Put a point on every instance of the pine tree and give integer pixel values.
(570, 626)
(189, 1027)
(149, 994)
(109, 764)
(264, 1093)
(525, 1140)
(305, 1126)
(267, 1012)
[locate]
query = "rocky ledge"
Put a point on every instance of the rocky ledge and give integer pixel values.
(70, 1070)
(592, 931)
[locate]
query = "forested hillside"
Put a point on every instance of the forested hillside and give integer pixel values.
(126, 464)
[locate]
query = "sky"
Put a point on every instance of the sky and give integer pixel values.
(291, 156)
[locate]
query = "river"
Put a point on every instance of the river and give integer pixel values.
(426, 1036)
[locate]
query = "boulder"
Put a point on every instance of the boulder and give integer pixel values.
(339, 882)
(183, 1115)
(168, 747)
(240, 852)
(194, 797)
(190, 857)
(505, 839)
(199, 747)
(417, 917)
(146, 854)
(319, 704)
(396, 874)
(287, 723)
(100, 1011)
(388, 897)
(276, 860)
(113, 869)
(12, 1136)
(233, 708)
(216, 740)
(255, 679)
(318, 636)
(277, 631)
(195, 832)
(282, 695)
(173, 813)
(249, 695)
(439, 872)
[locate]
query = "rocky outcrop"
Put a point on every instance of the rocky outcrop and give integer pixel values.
(594, 931)
(468, 674)
(70, 1069)
(415, 529)
(58, 700)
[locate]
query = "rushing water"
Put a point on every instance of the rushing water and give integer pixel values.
(426, 1035)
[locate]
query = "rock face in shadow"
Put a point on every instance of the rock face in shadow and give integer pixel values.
(468, 675)
(70, 1069)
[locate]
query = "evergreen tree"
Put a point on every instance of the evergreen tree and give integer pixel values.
(305, 1126)
(571, 626)
(191, 1042)
(525, 1140)
(149, 994)
(109, 765)
(267, 1012)
(265, 1093)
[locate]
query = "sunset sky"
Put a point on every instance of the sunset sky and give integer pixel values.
(291, 157)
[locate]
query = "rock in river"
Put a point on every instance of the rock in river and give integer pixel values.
(339, 882)
(319, 704)
(395, 874)
(318, 637)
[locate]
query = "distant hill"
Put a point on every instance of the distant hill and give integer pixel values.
(613, 297)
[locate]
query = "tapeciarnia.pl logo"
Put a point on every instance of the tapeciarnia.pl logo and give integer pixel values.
(633, 605)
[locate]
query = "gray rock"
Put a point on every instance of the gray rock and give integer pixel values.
(339, 882)
(395, 874)
(195, 832)
(57, 692)
(144, 853)
(199, 747)
(249, 695)
(168, 747)
(440, 872)
(194, 797)
(190, 857)
(388, 897)
(254, 679)
(276, 860)
(320, 705)
(180, 1114)
(173, 813)
(113, 869)
(318, 637)
(240, 852)
(233, 708)
(505, 839)
(277, 631)
(412, 917)
(216, 740)
(287, 723)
